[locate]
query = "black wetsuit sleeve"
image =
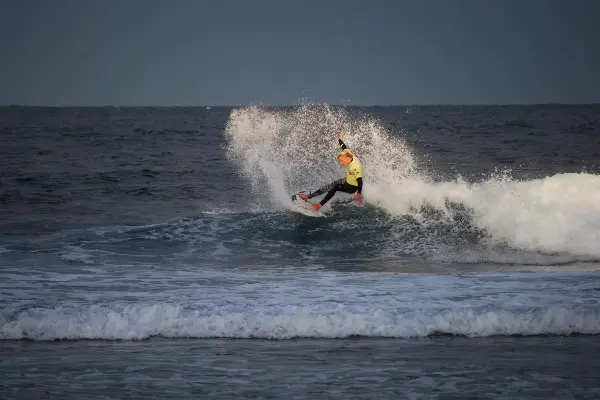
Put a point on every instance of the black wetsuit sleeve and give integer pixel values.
(342, 144)
(359, 180)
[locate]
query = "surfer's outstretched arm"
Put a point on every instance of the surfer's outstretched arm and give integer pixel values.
(341, 142)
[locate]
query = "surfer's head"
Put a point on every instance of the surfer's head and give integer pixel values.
(345, 157)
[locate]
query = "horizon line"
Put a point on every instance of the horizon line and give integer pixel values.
(8, 105)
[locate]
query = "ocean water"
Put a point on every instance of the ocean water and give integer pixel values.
(154, 253)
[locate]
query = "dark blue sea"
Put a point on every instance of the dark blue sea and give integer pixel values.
(154, 253)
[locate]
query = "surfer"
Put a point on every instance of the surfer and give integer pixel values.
(353, 182)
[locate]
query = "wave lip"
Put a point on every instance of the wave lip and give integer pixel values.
(136, 322)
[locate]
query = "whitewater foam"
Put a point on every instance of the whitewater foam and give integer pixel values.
(557, 214)
(144, 321)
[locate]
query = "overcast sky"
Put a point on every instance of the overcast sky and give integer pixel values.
(231, 52)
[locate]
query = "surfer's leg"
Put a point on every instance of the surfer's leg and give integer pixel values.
(326, 188)
(340, 185)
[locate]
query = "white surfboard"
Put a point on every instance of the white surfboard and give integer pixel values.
(305, 207)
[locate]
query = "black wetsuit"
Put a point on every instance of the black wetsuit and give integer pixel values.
(339, 185)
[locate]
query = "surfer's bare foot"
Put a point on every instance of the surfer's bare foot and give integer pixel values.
(317, 206)
(303, 196)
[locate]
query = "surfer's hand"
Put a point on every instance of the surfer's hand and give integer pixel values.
(341, 135)
(358, 198)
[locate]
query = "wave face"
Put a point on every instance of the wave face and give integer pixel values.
(280, 152)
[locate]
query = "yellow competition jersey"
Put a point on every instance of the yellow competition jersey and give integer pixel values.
(354, 170)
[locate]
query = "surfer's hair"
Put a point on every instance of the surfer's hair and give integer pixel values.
(345, 153)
